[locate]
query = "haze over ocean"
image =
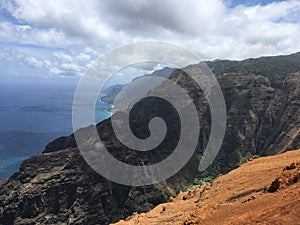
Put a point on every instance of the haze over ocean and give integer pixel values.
(32, 115)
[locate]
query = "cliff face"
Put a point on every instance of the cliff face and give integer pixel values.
(59, 187)
(262, 115)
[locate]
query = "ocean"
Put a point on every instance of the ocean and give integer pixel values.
(32, 117)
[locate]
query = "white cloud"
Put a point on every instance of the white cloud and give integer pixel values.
(26, 34)
(83, 57)
(270, 12)
(86, 29)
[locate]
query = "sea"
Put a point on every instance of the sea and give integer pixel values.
(31, 117)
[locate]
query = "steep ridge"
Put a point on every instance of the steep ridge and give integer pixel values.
(273, 67)
(59, 187)
(262, 117)
(112, 91)
(262, 191)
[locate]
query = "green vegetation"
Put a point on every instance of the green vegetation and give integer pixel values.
(247, 157)
(274, 67)
(198, 182)
(207, 176)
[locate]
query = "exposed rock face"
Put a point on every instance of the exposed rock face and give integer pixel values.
(262, 115)
(58, 187)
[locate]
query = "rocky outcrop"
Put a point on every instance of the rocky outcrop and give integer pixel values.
(289, 176)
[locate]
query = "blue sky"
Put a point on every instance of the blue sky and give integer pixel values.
(234, 3)
(63, 37)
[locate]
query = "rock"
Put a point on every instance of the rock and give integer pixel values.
(60, 188)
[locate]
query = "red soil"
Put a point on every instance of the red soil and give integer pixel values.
(263, 191)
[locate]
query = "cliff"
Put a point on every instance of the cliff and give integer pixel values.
(58, 187)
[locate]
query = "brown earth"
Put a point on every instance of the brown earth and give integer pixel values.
(262, 191)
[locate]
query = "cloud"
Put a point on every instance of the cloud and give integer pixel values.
(80, 20)
(161, 17)
(51, 61)
(26, 34)
(75, 33)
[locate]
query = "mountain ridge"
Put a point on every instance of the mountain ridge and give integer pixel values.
(59, 187)
(274, 67)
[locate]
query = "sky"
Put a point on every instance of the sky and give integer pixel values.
(61, 38)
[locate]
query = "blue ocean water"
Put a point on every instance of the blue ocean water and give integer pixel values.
(32, 117)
